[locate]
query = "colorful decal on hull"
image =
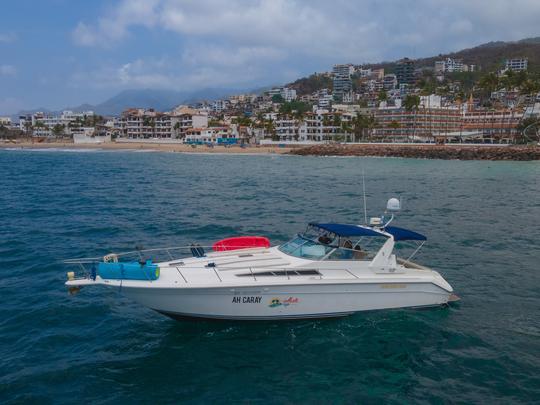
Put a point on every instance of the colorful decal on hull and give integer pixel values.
(276, 302)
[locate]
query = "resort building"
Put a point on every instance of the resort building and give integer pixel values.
(138, 123)
(398, 124)
(46, 125)
(499, 125)
(211, 135)
(184, 118)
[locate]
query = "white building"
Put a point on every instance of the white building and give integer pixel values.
(43, 124)
(5, 121)
(343, 70)
(390, 81)
(211, 135)
(320, 125)
(517, 64)
(288, 94)
(450, 65)
(220, 105)
(325, 101)
(431, 101)
(138, 123)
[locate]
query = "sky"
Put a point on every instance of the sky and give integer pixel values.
(60, 53)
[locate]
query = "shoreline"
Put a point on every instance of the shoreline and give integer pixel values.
(148, 146)
(413, 151)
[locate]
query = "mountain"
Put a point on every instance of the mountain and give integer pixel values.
(160, 100)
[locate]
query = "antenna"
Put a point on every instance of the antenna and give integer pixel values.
(364, 193)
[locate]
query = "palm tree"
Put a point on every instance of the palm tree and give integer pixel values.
(359, 123)
(489, 83)
(28, 127)
(411, 103)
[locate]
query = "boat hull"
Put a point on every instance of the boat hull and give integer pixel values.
(286, 301)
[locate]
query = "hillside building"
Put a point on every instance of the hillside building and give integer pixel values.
(405, 71)
(517, 64)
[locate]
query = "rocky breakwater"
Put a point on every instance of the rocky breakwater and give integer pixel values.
(461, 152)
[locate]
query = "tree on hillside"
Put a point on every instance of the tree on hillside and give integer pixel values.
(277, 98)
(296, 108)
(311, 84)
(489, 83)
(214, 123)
(242, 120)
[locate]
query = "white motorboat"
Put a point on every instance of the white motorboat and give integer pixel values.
(330, 270)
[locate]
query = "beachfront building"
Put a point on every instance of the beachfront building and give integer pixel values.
(211, 135)
(287, 127)
(140, 123)
(47, 125)
(422, 124)
(493, 126)
(320, 125)
(184, 118)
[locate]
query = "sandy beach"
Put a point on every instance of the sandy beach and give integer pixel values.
(163, 147)
(423, 151)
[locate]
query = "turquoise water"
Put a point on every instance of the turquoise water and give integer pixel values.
(483, 224)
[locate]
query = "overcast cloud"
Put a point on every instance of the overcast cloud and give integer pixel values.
(105, 46)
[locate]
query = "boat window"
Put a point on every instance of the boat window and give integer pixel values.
(305, 249)
(281, 273)
(349, 254)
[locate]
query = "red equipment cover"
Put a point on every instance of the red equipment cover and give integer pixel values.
(241, 242)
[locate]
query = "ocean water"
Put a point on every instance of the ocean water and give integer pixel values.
(483, 224)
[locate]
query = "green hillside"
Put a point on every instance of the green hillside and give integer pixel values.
(491, 56)
(487, 57)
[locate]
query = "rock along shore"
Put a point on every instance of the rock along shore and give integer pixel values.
(461, 152)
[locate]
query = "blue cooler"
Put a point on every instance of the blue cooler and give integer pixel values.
(128, 270)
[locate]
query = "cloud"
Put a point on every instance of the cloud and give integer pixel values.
(197, 67)
(113, 27)
(7, 38)
(268, 41)
(7, 70)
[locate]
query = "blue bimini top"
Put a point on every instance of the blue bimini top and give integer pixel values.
(355, 230)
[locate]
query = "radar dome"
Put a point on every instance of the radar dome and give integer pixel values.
(393, 204)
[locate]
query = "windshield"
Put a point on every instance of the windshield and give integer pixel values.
(326, 246)
(305, 249)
